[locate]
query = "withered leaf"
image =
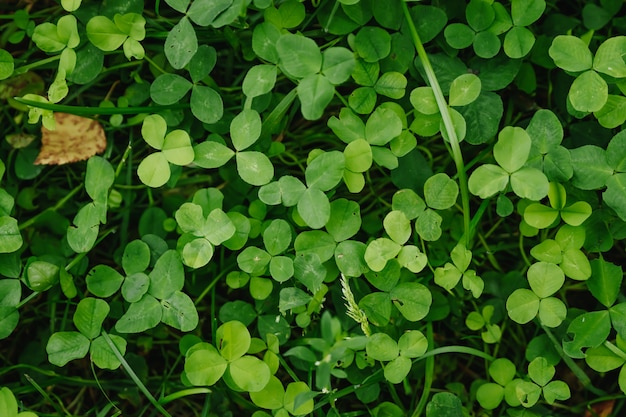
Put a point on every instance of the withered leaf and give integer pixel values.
(75, 139)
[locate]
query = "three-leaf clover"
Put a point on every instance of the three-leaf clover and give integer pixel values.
(174, 147)
(449, 275)
(511, 152)
(125, 30)
(397, 355)
(523, 305)
(541, 216)
(205, 364)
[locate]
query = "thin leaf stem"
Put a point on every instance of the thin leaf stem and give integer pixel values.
(90, 111)
(133, 375)
(57, 206)
(579, 373)
(428, 374)
(442, 104)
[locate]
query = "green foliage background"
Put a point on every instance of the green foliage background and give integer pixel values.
(326, 208)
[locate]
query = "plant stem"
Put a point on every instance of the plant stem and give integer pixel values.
(579, 373)
(442, 104)
(133, 375)
(57, 206)
(428, 374)
(89, 111)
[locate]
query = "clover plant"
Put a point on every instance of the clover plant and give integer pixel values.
(313, 208)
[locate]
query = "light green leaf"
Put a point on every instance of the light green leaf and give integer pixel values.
(204, 12)
(412, 344)
(545, 278)
(614, 195)
(105, 34)
(245, 129)
(142, 315)
(337, 64)
(169, 89)
(512, 148)
(522, 305)
(381, 347)
(382, 126)
(89, 316)
(358, 155)
(440, 191)
(181, 43)
(412, 299)
(197, 253)
(379, 251)
(314, 208)
(309, 270)
(292, 297)
(210, 154)
(447, 276)
(605, 281)
(518, 42)
(591, 169)
(103, 281)
(153, 130)
(377, 307)
(575, 265)
(154, 170)
(609, 57)
(464, 90)
(177, 148)
(488, 180)
(556, 390)
(101, 354)
(299, 56)
(526, 12)
(545, 130)
(530, 183)
(204, 366)
(167, 275)
(412, 259)
(233, 340)
(552, 311)
(391, 84)
(397, 226)
(489, 395)
(255, 168)
(589, 92)
(315, 92)
(10, 236)
(294, 390)
(63, 347)
(428, 225)
(345, 219)
(397, 370)
(7, 64)
(540, 371)
(277, 237)
(372, 43)
(259, 80)
(571, 53)
(271, 397)
(423, 100)
(253, 260)
(540, 216)
(206, 104)
(248, 373)
(325, 171)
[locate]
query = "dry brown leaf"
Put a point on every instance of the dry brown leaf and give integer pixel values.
(75, 139)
